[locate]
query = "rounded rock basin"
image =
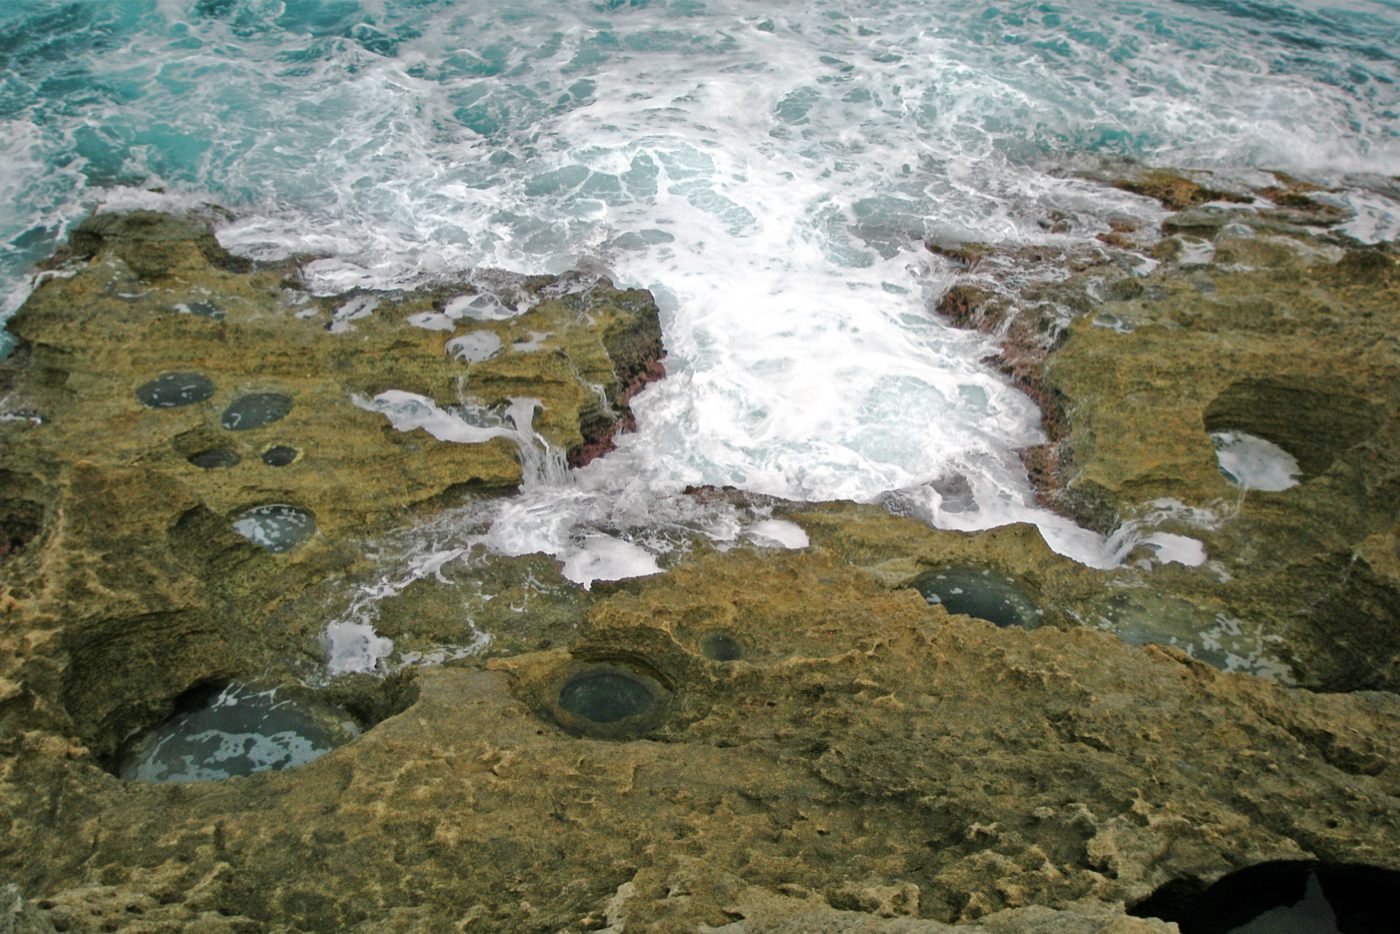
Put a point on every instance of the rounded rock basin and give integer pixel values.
(981, 593)
(172, 390)
(721, 647)
(236, 730)
(1140, 616)
(278, 527)
(255, 409)
(215, 458)
(279, 455)
(608, 700)
(605, 696)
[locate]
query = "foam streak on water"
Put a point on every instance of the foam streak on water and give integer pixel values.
(770, 173)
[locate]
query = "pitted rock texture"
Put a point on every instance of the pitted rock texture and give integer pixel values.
(867, 763)
(871, 758)
(122, 580)
(115, 316)
(1242, 314)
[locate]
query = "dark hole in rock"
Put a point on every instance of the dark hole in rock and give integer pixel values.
(1296, 898)
(255, 409)
(219, 732)
(372, 698)
(277, 527)
(1310, 420)
(20, 523)
(721, 647)
(279, 455)
(981, 593)
(610, 700)
(214, 458)
(605, 696)
(171, 390)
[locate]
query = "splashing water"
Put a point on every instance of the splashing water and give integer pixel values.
(770, 174)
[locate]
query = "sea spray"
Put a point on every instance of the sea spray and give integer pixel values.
(770, 175)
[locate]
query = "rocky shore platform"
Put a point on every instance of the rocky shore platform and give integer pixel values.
(197, 457)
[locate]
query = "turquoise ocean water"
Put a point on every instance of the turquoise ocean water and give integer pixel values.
(769, 170)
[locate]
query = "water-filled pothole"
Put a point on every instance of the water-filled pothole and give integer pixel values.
(278, 527)
(172, 390)
(236, 729)
(610, 700)
(981, 593)
(255, 409)
(721, 647)
(1140, 616)
(279, 455)
(1296, 898)
(1255, 463)
(605, 696)
(1311, 420)
(215, 458)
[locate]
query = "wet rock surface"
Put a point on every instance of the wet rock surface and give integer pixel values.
(152, 545)
(870, 755)
(756, 740)
(1261, 324)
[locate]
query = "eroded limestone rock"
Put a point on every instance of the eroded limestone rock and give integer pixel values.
(1244, 318)
(812, 746)
(154, 534)
(869, 757)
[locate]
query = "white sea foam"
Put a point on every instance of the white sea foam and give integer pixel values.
(474, 347)
(777, 533)
(432, 321)
(353, 646)
(409, 411)
(770, 176)
(602, 557)
(1255, 463)
(1374, 217)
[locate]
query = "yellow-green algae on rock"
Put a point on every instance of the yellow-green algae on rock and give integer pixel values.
(126, 580)
(106, 323)
(867, 762)
(1246, 317)
(869, 757)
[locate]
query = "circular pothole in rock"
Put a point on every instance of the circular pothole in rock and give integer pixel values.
(610, 700)
(979, 592)
(721, 646)
(279, 455)
(1311, 420)
(1295, 897)
(237, 729)
(277, 527)
(255, 409)
(1254, 463)
(215, 458)
(172, 390)
(1142, 616)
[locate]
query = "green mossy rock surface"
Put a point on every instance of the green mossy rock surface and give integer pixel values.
(868, 763)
